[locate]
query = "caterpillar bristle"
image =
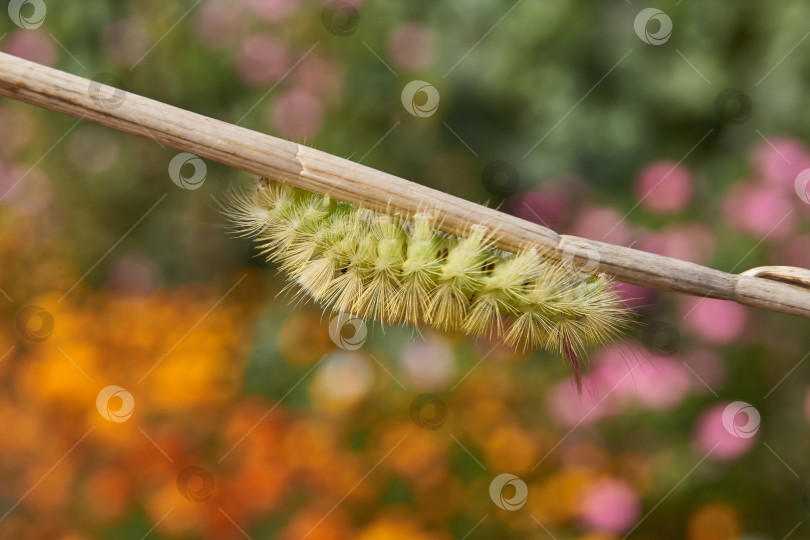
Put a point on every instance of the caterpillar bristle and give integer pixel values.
(344, 290)
(377, 300)
(315, 277)
(529, 331)
(398, 270)
(447, 308)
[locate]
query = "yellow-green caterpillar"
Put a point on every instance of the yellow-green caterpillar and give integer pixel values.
(373, 265)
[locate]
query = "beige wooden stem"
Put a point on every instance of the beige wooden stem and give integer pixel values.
(351, 182)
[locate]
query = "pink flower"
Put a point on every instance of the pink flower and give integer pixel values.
(615, 369)
(662, 384)
(25, 189)
(274, 10)
(263, 59)
(797, 252)
(716, 321)
(780, 160)
(625, 372)
(570, 408)
(610, 505)
(761, 211)
(634, 296)
(549, 206)
(664, 187)
(691, 242)
(353, 3)
(412, 47)
(727, 430)
(33, 45)
(708, 369)
(298, 114)
(603, 224)
(218, 23)
(620, 374)
(319, 76)
(430, 365)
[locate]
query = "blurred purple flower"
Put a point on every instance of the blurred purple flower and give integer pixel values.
(298, 114)
(634, 296)
(628, 371)
(218, 23)
(662, 383)
(319, 76)
(708, 369)
(603, 224)
(549, 205)
(263, 59)
(33, 45)
(691, 242)
(610, 505)
(274, 10)
(614, 371)
(797, 252)
(716, 321)
(780, 160)
(569, 408)
(621, 374)
(711, 435)
(760, 210)
(430, 365)
(412, 47)
(664, 187)
(25, 189)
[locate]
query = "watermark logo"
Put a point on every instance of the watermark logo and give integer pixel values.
(195, 484)
(347, 331)
(340, 18)
(802, 186)
(644, 20)
(35, 323)
(661, 339)
(733, 106)
(421, 99)
(107, 90)
(517, 500)
(28, 14)
(179, 162)
(501, 178)
(733, 411)
(428, 411)
(581, 261)
(115, 404)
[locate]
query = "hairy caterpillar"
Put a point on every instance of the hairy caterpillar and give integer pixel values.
(373, 265)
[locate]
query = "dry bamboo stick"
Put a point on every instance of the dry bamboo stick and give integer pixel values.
(351, 182)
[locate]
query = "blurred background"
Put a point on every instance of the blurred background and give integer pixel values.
(155, 386)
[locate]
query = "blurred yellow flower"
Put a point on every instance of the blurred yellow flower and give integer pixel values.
(558, 498)
(714, 521)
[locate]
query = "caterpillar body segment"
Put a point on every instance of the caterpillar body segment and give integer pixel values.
(377, 266)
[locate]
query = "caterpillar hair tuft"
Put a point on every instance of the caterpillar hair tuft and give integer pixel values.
(395, 270)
